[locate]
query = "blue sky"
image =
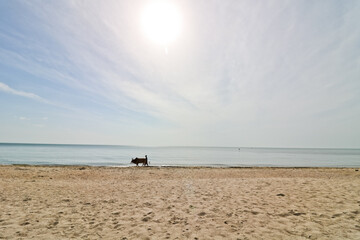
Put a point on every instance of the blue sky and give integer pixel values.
(240, 73)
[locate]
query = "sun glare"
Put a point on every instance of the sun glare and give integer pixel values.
(161, 22)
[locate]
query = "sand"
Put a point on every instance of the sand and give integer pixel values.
(43, 202)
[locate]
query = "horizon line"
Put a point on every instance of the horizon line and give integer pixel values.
(175, 146)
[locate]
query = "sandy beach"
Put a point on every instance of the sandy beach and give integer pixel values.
(78, 202)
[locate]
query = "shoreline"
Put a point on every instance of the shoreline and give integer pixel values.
(62, 202)
(179, 166)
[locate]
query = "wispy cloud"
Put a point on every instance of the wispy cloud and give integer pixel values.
(7, 89)
(24, 118)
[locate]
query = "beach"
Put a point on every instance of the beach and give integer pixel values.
(80, 202)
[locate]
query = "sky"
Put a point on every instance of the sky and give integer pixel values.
(238, 73)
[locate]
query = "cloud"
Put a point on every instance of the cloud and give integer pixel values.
(7, 89)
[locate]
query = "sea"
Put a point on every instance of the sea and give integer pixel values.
(120, 156)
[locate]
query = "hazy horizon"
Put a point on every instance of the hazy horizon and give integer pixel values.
(173, 146)
(276, 74)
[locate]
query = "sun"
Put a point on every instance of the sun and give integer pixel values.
(161, 22)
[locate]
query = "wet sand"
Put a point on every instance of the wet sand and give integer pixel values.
(77, 202)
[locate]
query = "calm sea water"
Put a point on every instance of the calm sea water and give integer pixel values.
(100, 155)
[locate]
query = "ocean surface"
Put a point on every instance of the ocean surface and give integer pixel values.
(104, 155)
